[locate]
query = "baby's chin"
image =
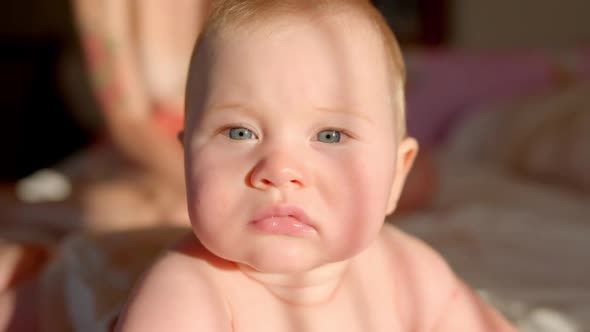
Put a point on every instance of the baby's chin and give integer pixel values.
(282, 255)
(306, 263)
(278, 261)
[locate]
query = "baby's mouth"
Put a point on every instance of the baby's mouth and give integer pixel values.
(283, 220)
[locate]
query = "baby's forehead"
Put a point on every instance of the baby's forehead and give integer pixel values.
(334, 24)
(323, 50)
(339, 31)
(338, 38)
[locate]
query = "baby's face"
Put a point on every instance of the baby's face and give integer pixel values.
(291, 156)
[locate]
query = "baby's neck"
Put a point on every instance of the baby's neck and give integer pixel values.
(307, 288)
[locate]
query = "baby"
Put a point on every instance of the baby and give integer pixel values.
(295, 152)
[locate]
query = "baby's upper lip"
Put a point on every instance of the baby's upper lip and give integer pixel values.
(284, 210)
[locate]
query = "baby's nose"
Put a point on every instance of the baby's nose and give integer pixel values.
(279, 171)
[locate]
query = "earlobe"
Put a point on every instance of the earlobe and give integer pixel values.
(406, 154)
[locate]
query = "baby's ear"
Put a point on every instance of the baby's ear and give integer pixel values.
(406, 154)
(180, 137)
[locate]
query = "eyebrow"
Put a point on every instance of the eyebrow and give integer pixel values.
(344, 111)
(241, 108)
(231, 107)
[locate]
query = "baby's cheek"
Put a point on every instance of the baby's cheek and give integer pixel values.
(369, 188)
(219, 186)
(348, 195)
(208, 193)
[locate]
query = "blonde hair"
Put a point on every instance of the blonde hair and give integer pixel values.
(227, 15)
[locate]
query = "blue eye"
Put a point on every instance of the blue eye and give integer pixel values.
(240, 133)
(329, 136)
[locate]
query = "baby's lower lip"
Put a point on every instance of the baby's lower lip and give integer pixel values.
(284, 225)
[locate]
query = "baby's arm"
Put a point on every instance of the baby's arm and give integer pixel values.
(466, 311)
(176, 295)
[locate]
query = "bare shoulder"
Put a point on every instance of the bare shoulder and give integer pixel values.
(417, 258)
(432, 297)
(424, 279)
(179, 293)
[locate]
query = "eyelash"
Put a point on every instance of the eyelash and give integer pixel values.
(345, 134)
(225, 130)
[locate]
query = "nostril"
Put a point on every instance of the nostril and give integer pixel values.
(296, 182)
(266, 182)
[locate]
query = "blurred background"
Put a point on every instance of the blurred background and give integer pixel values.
(42, 86)
(498, 96)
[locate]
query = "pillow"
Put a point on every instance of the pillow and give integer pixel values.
(545, 137)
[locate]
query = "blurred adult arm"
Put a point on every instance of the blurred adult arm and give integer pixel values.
(120, 39)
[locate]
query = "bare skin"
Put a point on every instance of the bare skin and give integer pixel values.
(295, 241)
(383, 289)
